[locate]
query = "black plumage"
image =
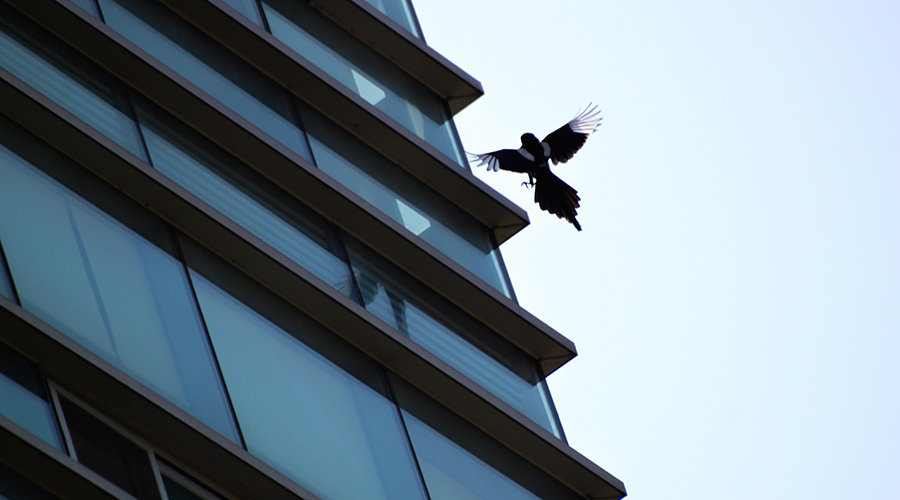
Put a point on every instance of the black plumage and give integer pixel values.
(550, 192)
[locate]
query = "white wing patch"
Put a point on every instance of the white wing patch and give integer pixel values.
(586, 121)
(528, 156)
(546, 149)
(485, 159)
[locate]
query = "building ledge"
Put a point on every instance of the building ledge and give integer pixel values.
(208, 454)
(287, 169)
(368, 123)
(404, 49)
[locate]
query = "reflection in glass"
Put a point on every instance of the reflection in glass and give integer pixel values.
(450, 334)
(6, 286)
(335, 434)
(401, 12)
(405, 199)
(244, 196)
(105, 285)
(459, 462)
(364, 72)
(23, 397)
(208, 65)
(67, 78)
(108, 453)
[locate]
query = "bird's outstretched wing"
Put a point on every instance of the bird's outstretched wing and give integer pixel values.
(565, 141)
(506, 159)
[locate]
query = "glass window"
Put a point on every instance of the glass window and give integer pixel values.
(6, 286)
(364, 72)
(208, 65)
(459, 462)
(244, 196)
(405, 199)
(108, 453)
(449, 333)
(67, 78)
(23, 396)
(307, 403)
(401, 12)
(15, 487)
(248, 8)
(110, 286)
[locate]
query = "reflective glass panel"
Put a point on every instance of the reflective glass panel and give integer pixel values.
(459, 462)
(405, 199)
(248, 8)
(307, 403)
(108, 453)
(110, 286)
(6, 286)
(244, 196)
(67, 78)
(23, 397)
(364, 72)
(450, 334)
(401, 11)
(208, 65)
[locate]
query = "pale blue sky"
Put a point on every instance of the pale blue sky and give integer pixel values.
(735, 293)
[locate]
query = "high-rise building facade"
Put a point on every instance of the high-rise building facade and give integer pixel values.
(242, 257)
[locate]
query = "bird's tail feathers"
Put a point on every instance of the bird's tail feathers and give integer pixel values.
(555, 196)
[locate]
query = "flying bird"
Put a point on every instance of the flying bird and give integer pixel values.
(550, 192)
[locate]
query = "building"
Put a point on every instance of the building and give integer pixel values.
(243, 257)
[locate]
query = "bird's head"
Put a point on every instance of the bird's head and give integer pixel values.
(528, 139)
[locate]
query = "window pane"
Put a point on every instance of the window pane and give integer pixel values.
(248, 8)
(364, 72)
(300, 411)
(208, 65)
(459, 462)
(16, 487)
(405, 199)
(109, 454)
(450, 334)
(68, 78)
(400, 11)
(6, 286)
(244, 196)
(23, 397)
(106, 285)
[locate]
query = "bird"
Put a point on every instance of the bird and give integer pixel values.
(551, 193)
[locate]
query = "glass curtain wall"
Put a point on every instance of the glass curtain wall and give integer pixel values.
(243, 195)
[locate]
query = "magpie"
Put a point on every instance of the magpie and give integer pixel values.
(550, 192)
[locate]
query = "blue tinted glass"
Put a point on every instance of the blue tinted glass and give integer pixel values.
(405, 199)
(88, 5)
(364, 72)
(248, 8)
(314, 420)
(208, 65)
(458, 461)
(244, 196)
(23, 398)
(6, 286)
(450, 334)
(67, 78)
(400, 11)
(106, 286)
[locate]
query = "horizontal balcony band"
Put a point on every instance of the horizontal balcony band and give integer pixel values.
(301, 288)
(319, 191)
(50, 468)
(170, 429)
(374, 127)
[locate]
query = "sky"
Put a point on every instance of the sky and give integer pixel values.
(735, 294)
